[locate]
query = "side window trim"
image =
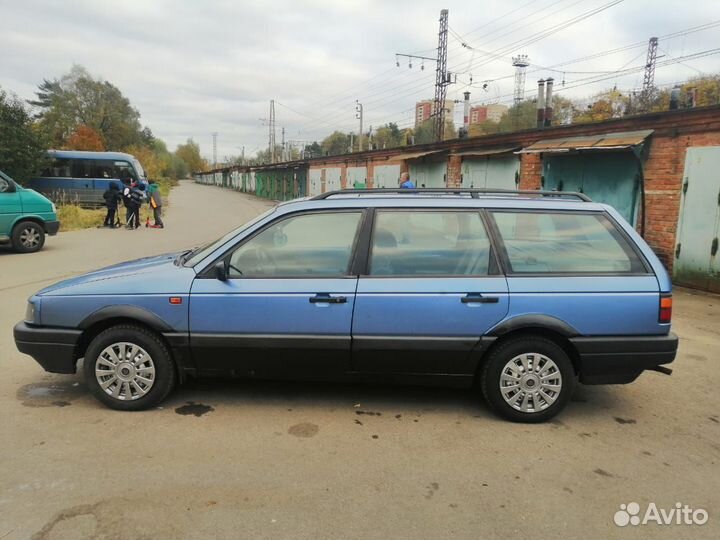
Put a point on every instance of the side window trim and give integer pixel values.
(208, 272)
(494, 267)
(363, 243)
(615, 230)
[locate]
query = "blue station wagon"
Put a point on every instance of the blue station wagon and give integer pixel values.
(523, 293)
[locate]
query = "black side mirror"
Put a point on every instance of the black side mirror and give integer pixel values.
(221, 271)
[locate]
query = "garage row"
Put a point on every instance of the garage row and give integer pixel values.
(664, 183)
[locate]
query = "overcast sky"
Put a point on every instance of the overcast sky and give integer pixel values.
(192, 68)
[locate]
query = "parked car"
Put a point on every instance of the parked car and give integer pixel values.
(522, 292)
(82, 177)
(26, 217)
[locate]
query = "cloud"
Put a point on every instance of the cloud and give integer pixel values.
(193, 68)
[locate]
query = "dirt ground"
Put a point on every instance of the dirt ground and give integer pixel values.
(236, 460)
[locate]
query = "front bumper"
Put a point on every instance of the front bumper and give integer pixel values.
(621, 359)
(52, 348)
(52, 227)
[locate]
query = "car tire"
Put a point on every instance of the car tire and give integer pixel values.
(28, 237)
(140, 372)
(527, 379)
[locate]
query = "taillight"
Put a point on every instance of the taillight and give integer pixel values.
(665, 308)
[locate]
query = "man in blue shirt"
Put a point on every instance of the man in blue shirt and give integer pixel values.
(405, 182)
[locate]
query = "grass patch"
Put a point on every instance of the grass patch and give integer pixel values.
(73, 217)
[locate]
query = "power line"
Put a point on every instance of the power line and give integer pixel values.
(413, 87)
(410, 88)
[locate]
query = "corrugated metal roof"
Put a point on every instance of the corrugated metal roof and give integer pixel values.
(415, 155)
(609, 141)
(487, 151)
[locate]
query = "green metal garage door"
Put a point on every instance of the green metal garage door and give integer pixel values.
(608, 177)
(696, 250)
(428, 174)
(499, 172)
(356, 177)
(386, 176)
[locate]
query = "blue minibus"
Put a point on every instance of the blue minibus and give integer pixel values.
(82, 177)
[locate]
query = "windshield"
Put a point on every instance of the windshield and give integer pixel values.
(198, 254)
(139, 169)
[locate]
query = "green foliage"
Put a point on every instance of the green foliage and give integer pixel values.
(22, 147)
(190, 154)
(605, 105)
(79, 99)
(335, 144)
(424, 133)
(388, 136)
(313, 150)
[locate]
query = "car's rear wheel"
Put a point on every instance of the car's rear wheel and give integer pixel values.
(527, 379)
(129, 368)
(28, 237)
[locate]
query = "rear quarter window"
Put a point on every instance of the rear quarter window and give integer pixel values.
(565, 243)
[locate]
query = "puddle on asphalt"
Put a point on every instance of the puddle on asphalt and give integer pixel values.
(304, 430)
(195, 409)
(45, 394)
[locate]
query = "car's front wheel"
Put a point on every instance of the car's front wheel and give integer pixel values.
(129, 368)
(527, 379)
(28, 237)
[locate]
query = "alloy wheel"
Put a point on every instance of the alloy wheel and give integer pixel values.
(125, 371)
(530, 382)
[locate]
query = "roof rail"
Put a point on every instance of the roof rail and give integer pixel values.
(473, 192)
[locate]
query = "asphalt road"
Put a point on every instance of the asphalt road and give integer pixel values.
(246, 460)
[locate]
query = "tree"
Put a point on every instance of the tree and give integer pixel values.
(165, 158)
(388, 136)
(151, 162)
(84, 138)
(605, 105)
(313, 150)
(79, 99)
(486, 127)
(23, 151)
(179, 168)
(335, 144)
(519, 116)
(706, 90)
(424, 132)
(190, 154)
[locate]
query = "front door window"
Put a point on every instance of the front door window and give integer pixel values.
(309, 245)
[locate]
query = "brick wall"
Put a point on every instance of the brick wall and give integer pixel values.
(664, 169)
(454, 171)
(530, 171)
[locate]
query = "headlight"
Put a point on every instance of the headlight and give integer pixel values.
(54, 208)
(30, 313)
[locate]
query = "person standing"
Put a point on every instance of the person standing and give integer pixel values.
(405, 182)
(128, 202)
(112, 198)
(133, 197)
(156, 204)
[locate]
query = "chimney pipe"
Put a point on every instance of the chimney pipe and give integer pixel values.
(466, 112)
(541, 104)
(548, 102)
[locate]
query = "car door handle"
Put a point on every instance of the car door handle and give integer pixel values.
(324, 298)
(477, 298)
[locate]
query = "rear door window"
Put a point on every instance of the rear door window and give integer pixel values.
(564, 243)
(422, 243)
